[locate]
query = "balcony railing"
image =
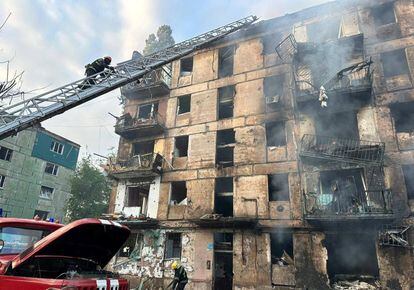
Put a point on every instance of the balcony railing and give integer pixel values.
(145, 165)
(155, 83)
(129, 127)
(368, 204)
(352, 79)
(342, 149)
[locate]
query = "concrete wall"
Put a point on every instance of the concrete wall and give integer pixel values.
(24, 176)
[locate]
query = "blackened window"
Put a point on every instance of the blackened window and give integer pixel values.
(5, 153)
(281, 248)
(403, 115)
(142, 148)
(132, 247)
(394, 63)
(269, 43)
(225, 148)
(178, 192)
(384, 14)
(184, 104)
(147, 111)
(275, 134)
(173, 246)
(137, 197)
(181, 146)
(226, 102)
(226, 61)
(278, 186)
(223, 201)
(324, 30)
(409, 179)
(186, 66)
(51, 168)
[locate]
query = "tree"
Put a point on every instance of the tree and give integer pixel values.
(89, 191)
(162, 40)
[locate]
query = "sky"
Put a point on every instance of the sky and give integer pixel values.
(52, 41)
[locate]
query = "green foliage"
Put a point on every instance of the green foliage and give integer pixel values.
(89, 192)
(162, 40)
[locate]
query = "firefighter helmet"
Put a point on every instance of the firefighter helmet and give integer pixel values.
(174, 265)
(107, 59)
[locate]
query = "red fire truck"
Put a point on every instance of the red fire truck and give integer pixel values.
(38, 255)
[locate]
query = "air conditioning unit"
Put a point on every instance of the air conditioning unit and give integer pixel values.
(273, 99)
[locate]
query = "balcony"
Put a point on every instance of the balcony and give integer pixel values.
(342, 149)
(154, 84)
(355, 79)
(346, 205)
(130, 128)
(138, 166)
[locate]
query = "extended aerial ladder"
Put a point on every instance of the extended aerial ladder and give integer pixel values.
(26, 113)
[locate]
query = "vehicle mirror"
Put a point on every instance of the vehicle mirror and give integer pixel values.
(1, 245)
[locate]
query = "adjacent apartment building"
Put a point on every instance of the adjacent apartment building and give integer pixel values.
(35, 168)
(281, 156)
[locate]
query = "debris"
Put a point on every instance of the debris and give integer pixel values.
(355, 285)
(394, 236)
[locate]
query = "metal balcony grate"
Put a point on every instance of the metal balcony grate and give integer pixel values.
(394, 236)
(342, 149)
(287, 48)
(372, 203)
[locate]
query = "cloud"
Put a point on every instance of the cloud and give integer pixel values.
(53, 40)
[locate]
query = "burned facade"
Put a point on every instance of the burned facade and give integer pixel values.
(280, 157)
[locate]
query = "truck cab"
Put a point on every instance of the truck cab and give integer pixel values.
(37, 255)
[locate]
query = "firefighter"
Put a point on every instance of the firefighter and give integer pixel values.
(98, 66)
(180, 277)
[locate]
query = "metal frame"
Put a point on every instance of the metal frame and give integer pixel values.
(21, 115)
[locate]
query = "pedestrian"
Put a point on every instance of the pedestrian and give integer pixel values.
(180, 277)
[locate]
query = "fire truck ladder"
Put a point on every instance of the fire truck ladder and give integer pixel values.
(21, 115)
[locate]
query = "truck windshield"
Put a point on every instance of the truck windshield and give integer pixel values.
(16, 240)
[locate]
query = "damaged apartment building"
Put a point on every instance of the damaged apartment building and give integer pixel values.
(280, 157)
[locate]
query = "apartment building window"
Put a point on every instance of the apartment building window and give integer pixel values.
(408, 171)
(273, 88)
(394, 63)
(184, 104)
(333, 125)
(147, 111)
(226, 61)
(5, 153)
(51, 168)
(46, 192)
(173, 246)
(278, 186)
(41, 213)
(2, 179)
(132, 247)
(178, 193)
(324, 30)
(56, 147)
(275, 134)
(225, 147)
(269, 43)
(403, 115)
(226, 102)
(138, 197)
(181, 146)
(223, 200)
(143, 148)
(384, 14)
(281, 250)
(186, 66)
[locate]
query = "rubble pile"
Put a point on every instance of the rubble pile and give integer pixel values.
(355, 285)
